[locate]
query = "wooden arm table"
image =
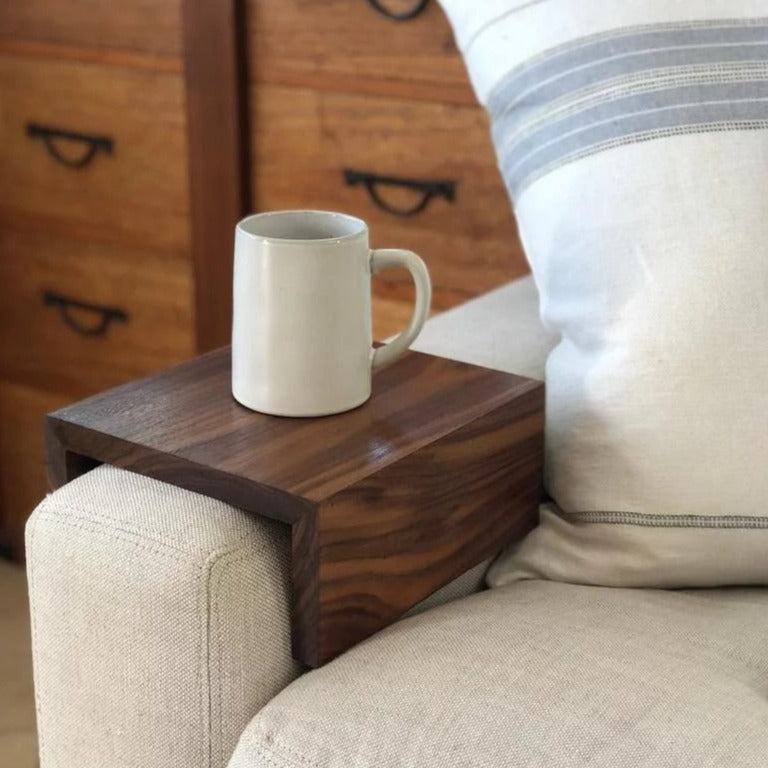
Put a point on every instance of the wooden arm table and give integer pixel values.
(435, 473)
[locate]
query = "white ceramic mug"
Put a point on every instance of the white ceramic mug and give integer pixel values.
(301, 327)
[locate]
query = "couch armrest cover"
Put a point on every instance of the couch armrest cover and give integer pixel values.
(160, 617)
(160, 623)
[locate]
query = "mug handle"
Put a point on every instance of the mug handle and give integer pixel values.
(385, 258)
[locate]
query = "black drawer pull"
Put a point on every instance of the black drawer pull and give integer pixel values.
(429, 189)
(417, 8)
(105, 315)
(49, 135)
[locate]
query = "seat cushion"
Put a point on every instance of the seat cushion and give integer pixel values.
(538, 674)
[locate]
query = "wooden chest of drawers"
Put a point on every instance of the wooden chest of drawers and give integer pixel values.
(96, 281)
(133, 135)
(353, 111)
(133, 190)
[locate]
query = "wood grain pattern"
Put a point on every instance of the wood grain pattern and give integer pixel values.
(40, 349)
(23, 482)
(136, 196)
(142, 25)
(388, 502)
(117, 231)
(393, 538)
(303, 139)
(111, 57)
(346, 45)
(218, 160)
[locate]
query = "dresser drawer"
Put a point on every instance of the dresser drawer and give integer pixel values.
(132, 185)
(350, 46)
(136, 25)
(81, 317)
(304, 141)
(23, 477)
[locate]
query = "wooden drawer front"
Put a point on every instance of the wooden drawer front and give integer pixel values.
(303, 140)
(347, 44)
(136, 25)
(23, 482)
(48, 341)
(137, 194)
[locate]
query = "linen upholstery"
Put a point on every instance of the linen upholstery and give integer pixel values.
(537, 674)
(160, 623)
(633, 139)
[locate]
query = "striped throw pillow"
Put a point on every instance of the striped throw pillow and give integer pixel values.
(633, 139)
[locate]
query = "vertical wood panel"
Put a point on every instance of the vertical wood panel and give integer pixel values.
(214, 57)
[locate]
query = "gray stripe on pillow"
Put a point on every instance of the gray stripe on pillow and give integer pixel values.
(637, 119)
(667, 521)
(634, 86)
(582, 61)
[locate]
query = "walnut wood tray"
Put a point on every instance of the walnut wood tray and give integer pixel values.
(436, 472)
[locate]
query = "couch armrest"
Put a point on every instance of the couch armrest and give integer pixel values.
(500, 329)
(160, 617)
(160, 622)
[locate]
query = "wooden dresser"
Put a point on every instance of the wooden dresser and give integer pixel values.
(132, 137)
(357, 112)
(95, 276)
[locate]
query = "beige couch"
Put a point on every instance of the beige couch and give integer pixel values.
(161, 640)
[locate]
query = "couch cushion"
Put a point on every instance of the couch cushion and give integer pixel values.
(633, 139)
(538, 674)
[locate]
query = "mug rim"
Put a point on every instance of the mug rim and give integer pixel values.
(361, 226)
